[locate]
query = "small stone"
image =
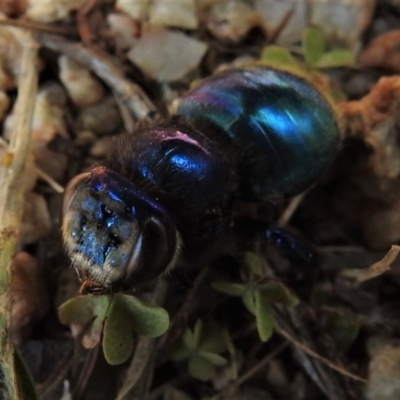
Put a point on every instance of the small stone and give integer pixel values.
(179, 14)
(85, 138)
(137, 9)
(82, 87)
(101, 119)
(231, 21)
(165, 55)
(101, 147)
(342, 22)
(384, 370)
(123, 30)
(52, 10)
(272, 13)
(36, 222)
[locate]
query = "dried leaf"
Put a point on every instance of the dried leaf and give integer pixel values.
(165, 55)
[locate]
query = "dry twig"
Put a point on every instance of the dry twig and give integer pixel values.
(132, 95)
(291, 209)
(38, 27)
(282, 331)
(376, 269)
(229, 391)
(12, 168)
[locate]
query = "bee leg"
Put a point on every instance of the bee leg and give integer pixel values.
(290, 244)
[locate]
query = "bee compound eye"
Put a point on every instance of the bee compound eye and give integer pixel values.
(153, 252)
(73, 188)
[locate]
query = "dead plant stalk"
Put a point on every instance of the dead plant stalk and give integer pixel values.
(12, 167)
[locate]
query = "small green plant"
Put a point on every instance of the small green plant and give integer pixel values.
(113, 320)
(258, 295)
(202, 348)
(314, 53)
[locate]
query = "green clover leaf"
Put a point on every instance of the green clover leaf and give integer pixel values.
(201, 347)
(114, 319)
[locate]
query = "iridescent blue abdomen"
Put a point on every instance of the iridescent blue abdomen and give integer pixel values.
(281, 130)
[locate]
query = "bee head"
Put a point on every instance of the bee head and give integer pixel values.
(116, 236)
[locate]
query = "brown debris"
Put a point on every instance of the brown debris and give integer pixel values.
(375, 118)
(383, 52)
(29, 296)
(13, 8)
(373, 200)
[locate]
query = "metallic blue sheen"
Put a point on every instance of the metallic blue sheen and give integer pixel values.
(192, 171)
(108, 216)
(283, 129)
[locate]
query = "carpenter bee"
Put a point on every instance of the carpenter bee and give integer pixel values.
(253, 134)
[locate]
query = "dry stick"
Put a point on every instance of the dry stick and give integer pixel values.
(127, 120)
(12, 167)
(50, 181)
(37, 26)
(227, 392)
(87, 369)
(98, 62)
(179, 323)
(59, 374)
(83, 25)
(137, 377)
(315, 355)
(291, 209)
(261, 364)
(274, 35)
(41, 174)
